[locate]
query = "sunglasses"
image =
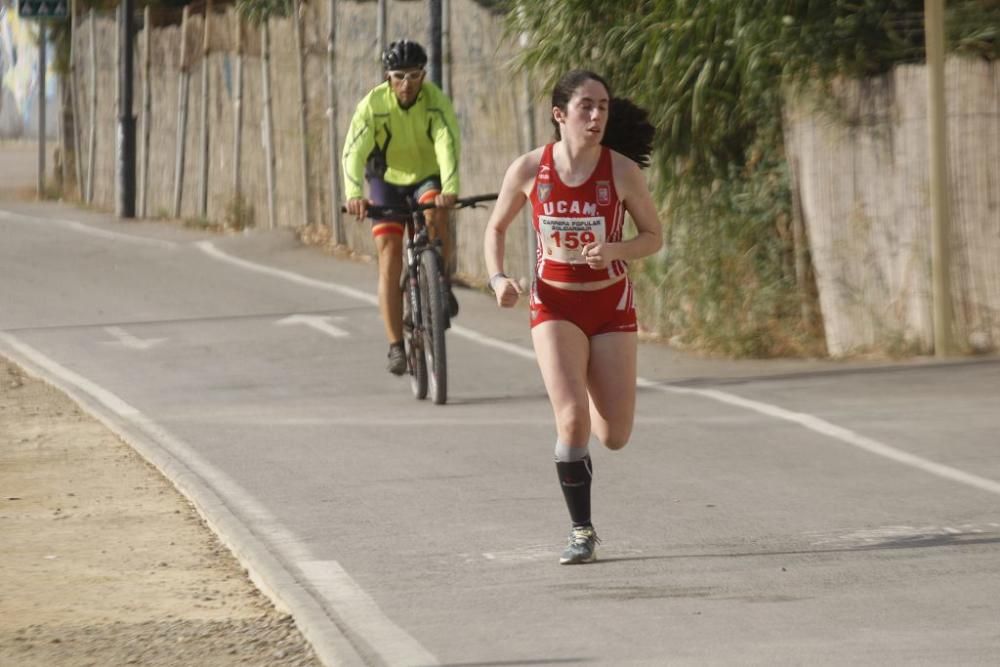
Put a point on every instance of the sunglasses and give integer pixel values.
(415, 75)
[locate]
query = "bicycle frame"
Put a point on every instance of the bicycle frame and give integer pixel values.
(417, 241)
(425, 295)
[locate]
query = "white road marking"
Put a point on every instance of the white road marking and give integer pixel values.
(126, 339)
(88, 229)
(212, 251)
(495, 343)
(527, 554)
(888, 534)
(321, 323)
(395, 423)
(208, 248)
(838, 433)
(802, 419)
(338, 590)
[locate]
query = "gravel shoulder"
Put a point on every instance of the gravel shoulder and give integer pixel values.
(105, 563)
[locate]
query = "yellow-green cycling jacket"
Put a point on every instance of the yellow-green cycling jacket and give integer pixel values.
(402, 146)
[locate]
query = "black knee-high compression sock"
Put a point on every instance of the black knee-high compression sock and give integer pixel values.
(575, 478)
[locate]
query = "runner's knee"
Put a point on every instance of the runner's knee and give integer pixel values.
(573, 424)
(614, 442)
(613, 437)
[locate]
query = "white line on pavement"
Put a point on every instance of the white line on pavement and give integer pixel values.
(837, 432)
(88, 229)
(209, 249)
(124, 338)
(214, 494)
(808, 421)
(321, 323)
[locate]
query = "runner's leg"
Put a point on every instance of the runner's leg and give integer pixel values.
(611, 385)
(563, 351)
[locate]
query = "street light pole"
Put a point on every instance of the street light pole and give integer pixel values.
(434, 66)
(42, 126)
(126, 121)
(940, 215)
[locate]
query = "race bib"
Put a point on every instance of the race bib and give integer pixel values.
(563, 238)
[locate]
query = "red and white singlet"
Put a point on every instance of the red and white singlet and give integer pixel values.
(567, 218)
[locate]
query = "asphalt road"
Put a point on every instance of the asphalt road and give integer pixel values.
(765, 512)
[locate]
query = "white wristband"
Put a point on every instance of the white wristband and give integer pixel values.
(493, 279)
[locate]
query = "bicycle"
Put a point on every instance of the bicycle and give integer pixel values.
(425, 299)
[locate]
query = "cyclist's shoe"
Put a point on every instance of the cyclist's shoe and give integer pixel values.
(582, 547)
(452, 304)
(397, 359)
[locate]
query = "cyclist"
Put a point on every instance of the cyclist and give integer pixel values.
(404, 141)
(583, 323)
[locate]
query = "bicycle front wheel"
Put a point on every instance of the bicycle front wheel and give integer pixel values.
(413, 342)
(435, 323)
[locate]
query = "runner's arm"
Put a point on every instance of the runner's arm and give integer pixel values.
(510, 201)
(634, 191)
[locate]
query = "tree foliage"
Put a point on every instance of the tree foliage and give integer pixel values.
(258, 11)
(713, 75)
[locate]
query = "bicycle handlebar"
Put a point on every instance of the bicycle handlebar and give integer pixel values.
(404, 212)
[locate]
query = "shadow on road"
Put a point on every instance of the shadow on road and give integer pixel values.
(910, 542)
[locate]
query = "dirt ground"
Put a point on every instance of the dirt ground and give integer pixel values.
(104, 562)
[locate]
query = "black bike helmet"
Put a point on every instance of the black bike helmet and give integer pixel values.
(403, 54)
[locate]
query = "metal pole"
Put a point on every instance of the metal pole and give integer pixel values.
(147, 108)
(446, 46)
(528, 139)
(183, 86)
(380, 26)
(267, 123)
(205, 47)
(42, 66)
(126, 119)
(238, 117)
(63, 95)
(74, 95)
(434, 39)
(92, 137)
(940, 221)
(303, 111)
(336, 220)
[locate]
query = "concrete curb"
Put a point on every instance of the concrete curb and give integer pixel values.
(281, 586)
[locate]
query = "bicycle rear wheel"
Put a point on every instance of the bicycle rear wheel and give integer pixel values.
(413, 342)
(434, 324)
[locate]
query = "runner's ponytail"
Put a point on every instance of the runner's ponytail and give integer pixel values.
(628, 130)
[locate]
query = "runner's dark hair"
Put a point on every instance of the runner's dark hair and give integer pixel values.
(628, 130)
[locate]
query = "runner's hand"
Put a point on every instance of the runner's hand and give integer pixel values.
(357, 207)
(598, 255)
(445, 200)
(507, 292)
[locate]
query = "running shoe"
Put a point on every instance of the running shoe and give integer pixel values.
(452, 304)
(397, 359)
(582, 547)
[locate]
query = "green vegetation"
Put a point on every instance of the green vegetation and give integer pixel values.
(258, 11)
(713, 75)
(239, 214)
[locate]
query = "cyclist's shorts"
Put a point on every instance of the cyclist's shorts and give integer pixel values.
(607, 310)
(388, 194)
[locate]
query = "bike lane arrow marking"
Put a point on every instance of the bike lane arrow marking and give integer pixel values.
(126, 339)
(321, 323)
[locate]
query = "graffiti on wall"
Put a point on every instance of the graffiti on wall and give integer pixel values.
(19, 77)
